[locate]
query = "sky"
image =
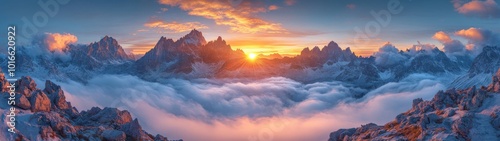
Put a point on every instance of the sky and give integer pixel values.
(256, 26)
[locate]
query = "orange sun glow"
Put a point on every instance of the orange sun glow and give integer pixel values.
(252, 56)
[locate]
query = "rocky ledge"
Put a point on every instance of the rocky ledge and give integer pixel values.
(469, 114)
(46, 115)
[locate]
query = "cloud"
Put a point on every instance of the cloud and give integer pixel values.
(476, 39)
(351, 6)
(174, 27)
(248, 108)
(52, 44)
(290, 2)
(239, 18)
(479, 8)
(442, 37)
(56, 41)
(479, 36)
(450, 46)
(388, 54)
(273, 7)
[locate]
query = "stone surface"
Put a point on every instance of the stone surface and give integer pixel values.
(22, 102)
(26, 85)
(56, 95)
(40, 102)
(495, 85)
(48, 116)
(113, 135)
(450, 115)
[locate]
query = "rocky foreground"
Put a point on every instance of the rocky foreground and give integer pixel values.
(469, 114)
(46, 115)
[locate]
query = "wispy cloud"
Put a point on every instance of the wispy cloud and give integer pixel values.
(290, 2)
(174, 27)
(239, 18)
(273, 7)
(351, 6)
(480, 8)
(450, 45)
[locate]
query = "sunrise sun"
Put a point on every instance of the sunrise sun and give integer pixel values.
(252, 56)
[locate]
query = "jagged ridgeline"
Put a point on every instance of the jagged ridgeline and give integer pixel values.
(192, 56)
(44, 114)
(468, 114)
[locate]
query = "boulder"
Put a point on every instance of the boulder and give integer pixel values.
(159, 137)
(56, 95)
(113, 135)
(26, 85)
(110, 116)
(22, 102)
(3, 83)
(134, 130)
(495, 85)
(40, 102)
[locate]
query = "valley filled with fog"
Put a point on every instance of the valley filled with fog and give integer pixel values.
(233, 109)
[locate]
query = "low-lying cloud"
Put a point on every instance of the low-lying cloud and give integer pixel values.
(388, 54)
(275, 108)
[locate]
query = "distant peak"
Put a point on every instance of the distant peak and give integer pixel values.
(194, 37)
(195, 32)
(219, 39)
(163, 38)
(333, 44)
(107, 38)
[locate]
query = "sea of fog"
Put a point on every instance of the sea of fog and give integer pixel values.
(268, 109)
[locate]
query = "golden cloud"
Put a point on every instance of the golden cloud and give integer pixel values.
(471, 33)
(484, 9)
(273, 7)
(442, 37)
(59, 42)
(239, 17)
(174, 26)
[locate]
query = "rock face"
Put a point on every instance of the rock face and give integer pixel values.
(450, 115)
(495, 85)
(114, 135)
(107, 49)
(331, 53)
(51, 117)
(488, 61)
(40, 102)
(172, 56)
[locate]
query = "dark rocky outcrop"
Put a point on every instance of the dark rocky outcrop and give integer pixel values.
(51, 117)
(450, 115)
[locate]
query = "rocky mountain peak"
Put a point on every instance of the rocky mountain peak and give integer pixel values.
(219, 39)
(194, 37)
(487, 61)
(107, 50)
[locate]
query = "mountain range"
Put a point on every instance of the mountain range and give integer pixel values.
(192, 56)
(447, 116)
